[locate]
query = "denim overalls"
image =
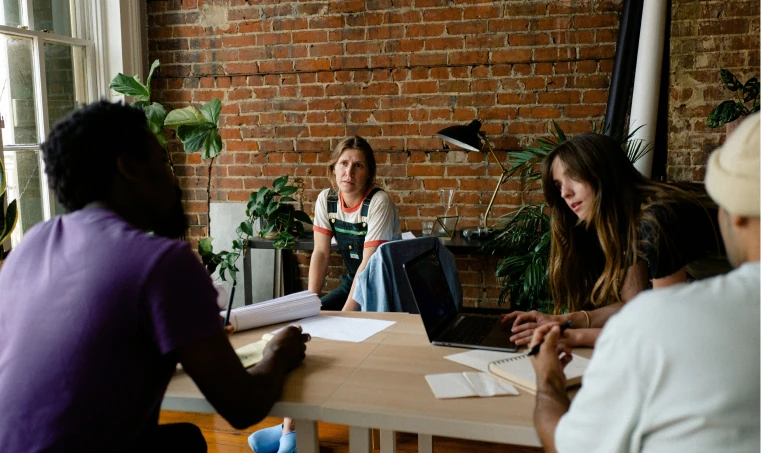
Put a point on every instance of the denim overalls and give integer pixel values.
(351, 243)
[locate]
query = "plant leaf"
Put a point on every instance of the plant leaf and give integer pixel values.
(730, 81)
(187, 115)
(287, 190)
(154, 65)
(247, 228)
(280, 183)
(130, 86)
(193, 136)
(302, 216)
(724, 113)
(9, 223)
(287, 199)
(211, 110)
(212, 146)
(750, 90)
(205, 247)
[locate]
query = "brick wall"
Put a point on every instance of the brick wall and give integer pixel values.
(706, 36)
(296, 77)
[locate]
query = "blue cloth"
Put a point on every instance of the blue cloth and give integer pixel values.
(383, 285)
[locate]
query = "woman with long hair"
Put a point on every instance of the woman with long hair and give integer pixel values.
(614, 234)
(360, 217)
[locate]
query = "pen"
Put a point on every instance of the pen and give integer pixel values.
(535, 349)
(229, 305)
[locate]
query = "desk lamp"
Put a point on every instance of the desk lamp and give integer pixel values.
(471, 138)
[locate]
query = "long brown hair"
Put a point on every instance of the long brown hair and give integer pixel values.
(361, 145)
(589, 260)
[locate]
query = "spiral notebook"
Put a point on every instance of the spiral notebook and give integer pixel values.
(520, 371)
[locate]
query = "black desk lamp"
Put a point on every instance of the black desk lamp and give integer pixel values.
(471, 138)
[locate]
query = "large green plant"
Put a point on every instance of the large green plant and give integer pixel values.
(279, 220)
(8, 216)
(198, 129)
(523, 236)
(747, 101)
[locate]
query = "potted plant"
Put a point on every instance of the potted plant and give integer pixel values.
(8, 215)
(746, 102)
(523, 236)
(278, 220)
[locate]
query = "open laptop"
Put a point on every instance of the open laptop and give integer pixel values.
(444, 323)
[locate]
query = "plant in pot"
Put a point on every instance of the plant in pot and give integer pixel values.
(523, 236)
(746, 102)
(8, 215)
(278, 220)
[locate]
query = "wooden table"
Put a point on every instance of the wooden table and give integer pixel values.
(379, 383)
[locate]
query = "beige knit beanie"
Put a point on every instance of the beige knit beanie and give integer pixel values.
(732, 177)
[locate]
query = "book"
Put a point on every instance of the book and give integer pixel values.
(467, 384)
(282, 309)
(519, 370)
(252, 353)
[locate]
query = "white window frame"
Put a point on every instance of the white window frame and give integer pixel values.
(113, 32)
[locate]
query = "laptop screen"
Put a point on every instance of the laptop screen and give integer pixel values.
(431, 291)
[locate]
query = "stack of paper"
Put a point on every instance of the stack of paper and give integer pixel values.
(283, 309)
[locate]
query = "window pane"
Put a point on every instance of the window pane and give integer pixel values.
(24, 184)
(53, 15)
(17, 91)
(11, 13)
(65, 77)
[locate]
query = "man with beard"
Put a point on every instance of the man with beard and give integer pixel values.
(95, 312)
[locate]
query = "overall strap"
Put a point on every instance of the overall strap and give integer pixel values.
(366, 203)
(332, 204)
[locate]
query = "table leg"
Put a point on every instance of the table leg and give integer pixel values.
(387, 441)
(306, 437)
(424, 443)
(359, 440)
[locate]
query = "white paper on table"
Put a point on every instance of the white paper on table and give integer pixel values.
(469, 383)
(408, 235)
(342, 329)
(479, 358)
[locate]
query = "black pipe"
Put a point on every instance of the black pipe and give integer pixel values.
(660, 147)
(624, 68)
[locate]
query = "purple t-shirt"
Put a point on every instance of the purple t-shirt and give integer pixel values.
(91, 310)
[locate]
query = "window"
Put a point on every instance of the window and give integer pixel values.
(54, 57)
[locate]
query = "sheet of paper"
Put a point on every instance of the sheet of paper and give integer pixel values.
(408, 235)
(479, 358)
(342, 329)
(467, 384)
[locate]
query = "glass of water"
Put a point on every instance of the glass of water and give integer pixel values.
(427, 227)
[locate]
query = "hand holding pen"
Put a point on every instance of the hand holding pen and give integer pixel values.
(535, 349)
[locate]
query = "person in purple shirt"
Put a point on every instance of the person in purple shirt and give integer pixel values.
(96, 312)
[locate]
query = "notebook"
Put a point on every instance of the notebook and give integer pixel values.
(444, 323)
(520, 371)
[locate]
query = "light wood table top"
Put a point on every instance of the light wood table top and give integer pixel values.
(327, 365)
(389, 391)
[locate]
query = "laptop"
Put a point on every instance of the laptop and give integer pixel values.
(446, 325)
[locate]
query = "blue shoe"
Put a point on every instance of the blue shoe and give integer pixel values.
(266, 440)
(288, 443)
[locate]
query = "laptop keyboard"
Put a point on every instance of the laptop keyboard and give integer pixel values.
(470, 330)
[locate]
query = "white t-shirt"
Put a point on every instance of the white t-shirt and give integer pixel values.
(382, 219)
(676, 370)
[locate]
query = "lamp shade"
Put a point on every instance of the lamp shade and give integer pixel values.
(466, 137)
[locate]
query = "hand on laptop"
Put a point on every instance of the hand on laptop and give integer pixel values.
(526, 322)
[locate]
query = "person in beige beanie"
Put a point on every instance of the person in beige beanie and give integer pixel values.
(732, 180)
(677, 369)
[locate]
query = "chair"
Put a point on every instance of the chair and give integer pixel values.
(382, 286)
